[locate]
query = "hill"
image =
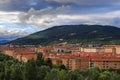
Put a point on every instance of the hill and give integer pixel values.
(2, 41)
(84, 34)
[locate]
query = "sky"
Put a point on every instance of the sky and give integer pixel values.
(19, 18)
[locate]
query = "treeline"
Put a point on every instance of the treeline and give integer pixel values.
(11, 69)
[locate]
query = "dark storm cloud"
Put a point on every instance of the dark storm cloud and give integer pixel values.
(21, 5)
(25, 5)
(88, 2)
(90, 6)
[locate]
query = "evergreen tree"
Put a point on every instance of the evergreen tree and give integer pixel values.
(48, 62)
(62, 67)
(40, 60)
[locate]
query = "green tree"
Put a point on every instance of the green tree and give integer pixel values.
(106, 75)
(91, 74)
(74, 75)
(62, 67)
(30, 72)
(40, 59)
(42, 72)
(16, 72)
(2, 71)
(53, 75)
(48, 62)
(62, 75)
(7, 69)
(115, 76)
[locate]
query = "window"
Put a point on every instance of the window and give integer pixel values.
(91, 63)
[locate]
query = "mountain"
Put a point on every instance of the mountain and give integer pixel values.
(84, 34)
(2, 41)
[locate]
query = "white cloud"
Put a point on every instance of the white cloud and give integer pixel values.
(110, 18)
(11, 33)
(9, 17)
(48, 17)
(41, 17)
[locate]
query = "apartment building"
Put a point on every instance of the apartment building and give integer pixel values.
(105, 62)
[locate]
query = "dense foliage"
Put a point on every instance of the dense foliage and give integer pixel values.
(84, 34)
(11, 69)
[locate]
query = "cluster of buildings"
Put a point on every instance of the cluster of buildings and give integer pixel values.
(72, 56)
(76, 57)
(22, 54)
